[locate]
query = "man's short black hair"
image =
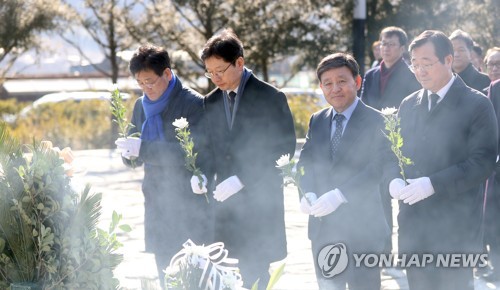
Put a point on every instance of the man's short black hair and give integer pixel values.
(149, 57)
(225, 45)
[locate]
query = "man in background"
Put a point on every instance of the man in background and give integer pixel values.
(386, 86)
(462, 61)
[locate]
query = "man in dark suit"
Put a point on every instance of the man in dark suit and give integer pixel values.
(462, 61)
(251, 126)
(343, 158)
(389, 83)
(450, 134)
(386, 86)
(492, 210)
(172, 213)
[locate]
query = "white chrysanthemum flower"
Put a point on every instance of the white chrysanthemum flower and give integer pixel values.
(283, 161)
(389, 111)
(180, 123)
(231, 280)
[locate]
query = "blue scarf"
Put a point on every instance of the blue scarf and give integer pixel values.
(152, 129)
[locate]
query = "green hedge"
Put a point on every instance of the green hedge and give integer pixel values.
(79, 125)
(87, 124)
(302, 108)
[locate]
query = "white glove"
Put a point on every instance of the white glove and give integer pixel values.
(195, 184)
(328, 203)
(417, 190)
(129, 147)
(307, 201)
(395, 187)
(227, 188)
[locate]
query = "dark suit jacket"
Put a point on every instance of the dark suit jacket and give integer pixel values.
(401, 83)
(363, 156)
(251, 222)
(474, 78)
(173, 213)
(455, 145)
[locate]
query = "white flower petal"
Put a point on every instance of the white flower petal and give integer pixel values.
(283, 161)
(180, 123)
(389, 111)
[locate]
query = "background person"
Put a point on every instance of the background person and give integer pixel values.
(462, 61)
(386, 86)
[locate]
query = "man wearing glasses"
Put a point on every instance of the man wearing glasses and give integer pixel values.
(172, 214)
(492, 61)
(250, 127)
(386, 86)
(492, 214)
(450, 134)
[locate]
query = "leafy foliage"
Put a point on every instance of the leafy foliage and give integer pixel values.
(302, 108)
(22, 23)
(393, 133)
(79, 125)
(48, 232)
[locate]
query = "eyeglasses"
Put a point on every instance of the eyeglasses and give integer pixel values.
(420, 67)
(389, 44)
(492, 65)
(148, 84)
(218, 74)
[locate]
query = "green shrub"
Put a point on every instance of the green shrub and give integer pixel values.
(79, 125)
(302, 108)
(48, 233)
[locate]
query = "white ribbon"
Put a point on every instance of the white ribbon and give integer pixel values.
(214, 262)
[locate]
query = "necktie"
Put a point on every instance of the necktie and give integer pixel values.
(232, 99)
(339, 118)
(433, 99)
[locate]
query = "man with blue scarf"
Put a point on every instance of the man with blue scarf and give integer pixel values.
(250, 127)
(173, 212)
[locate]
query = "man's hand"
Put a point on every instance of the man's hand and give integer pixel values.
(129, 147)
(195, 184)
(328, 203)
(417, 190)
(227, 188)
(307, 201)
(395, 187)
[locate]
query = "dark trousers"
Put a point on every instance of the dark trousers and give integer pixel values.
(387, 207)
(491, 222)
(162, 262)
(440, 278)
(251, 270)
(357, 278)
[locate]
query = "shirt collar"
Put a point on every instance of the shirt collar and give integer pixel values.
(442, 92)
(348, 112)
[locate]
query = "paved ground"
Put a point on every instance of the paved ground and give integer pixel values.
(121, 188)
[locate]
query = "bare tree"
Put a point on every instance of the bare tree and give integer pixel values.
(272, 31)
(103, 21)
(22, 23)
